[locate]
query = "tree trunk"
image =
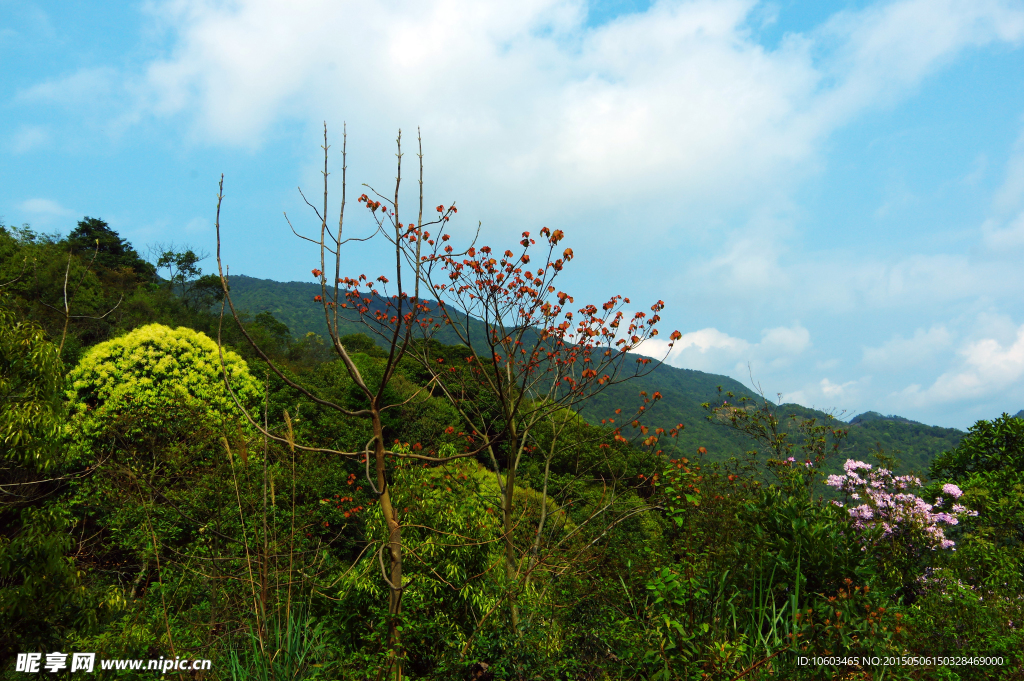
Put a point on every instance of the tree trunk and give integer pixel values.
(511, 564)
(394, 552)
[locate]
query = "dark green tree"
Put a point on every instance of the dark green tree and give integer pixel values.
(988, 465)
(995, 446)
(112, 252)
(186, 278)
(40, 589)
(972, 604)
(31, 378)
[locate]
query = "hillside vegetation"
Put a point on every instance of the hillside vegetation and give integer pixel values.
(914, 445)
(400, 512)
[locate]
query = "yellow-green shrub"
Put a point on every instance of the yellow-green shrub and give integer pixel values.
(141, 383)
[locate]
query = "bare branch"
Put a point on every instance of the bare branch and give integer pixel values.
(24, 267)
(227, 297)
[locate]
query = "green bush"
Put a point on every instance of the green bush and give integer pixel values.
(135, 385)
(31, 412)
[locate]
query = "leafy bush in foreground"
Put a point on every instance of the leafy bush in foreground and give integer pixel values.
(135, 384)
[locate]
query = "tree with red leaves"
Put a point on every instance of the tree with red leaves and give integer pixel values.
(527, 351)
(399, 320)
(529, 357)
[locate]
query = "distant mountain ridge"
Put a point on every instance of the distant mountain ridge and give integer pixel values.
(871, 416)
(683, 390)
(292, 304)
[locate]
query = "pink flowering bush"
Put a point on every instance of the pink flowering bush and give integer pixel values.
(886, 502)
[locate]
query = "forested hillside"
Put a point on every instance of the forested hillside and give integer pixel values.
(913, 444)
(291, 303)
(285, 509)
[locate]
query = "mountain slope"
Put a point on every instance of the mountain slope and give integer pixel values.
(292, 304)
(683, 390)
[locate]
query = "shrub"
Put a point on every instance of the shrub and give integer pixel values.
(988, 465)
(30, 381)
(136, 385)
(909, 524)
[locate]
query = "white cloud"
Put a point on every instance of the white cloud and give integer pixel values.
(857, 279)
(680, 102)
(832, 390)
(29, 137)
(899, 352)
(785, 341)
(1002, 238)
(987, 366)
(85, 86)
(835, 398)
(764, 272)
(710, 339)
(715, 351)
(748, 260)
(887, 47)
(44, 208)
(197, 226)
(986, 268)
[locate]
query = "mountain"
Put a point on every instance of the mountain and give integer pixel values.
(292, 304)
(913, 444)
(873, 416)
(916, 442)
(683, 391)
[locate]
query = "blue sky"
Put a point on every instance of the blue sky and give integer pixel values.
(828, 196)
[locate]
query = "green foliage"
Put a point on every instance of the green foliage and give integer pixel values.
(31, 378)
(208, 538)
(974, 595)
(294, 648)
(759, 574)
(968, 620)
(807, 543)
(132, 381)
(182, 266)
(113, 253)
(989, 467)
(853, 621)
(310, 350)
(42, 596)
(272, 336)
(449, 545)
(185, 277)
(291, 303)
(98, 302)
(991, 447)
(177, 528)
(757, 555)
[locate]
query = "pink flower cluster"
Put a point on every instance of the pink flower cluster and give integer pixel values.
(885, 501)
